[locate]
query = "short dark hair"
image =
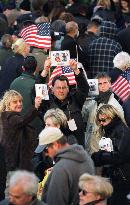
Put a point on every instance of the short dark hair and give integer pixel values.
(7, 40)
(62, 140)
(103, 75)
(30, 64)
(61, 78)
(93, 23)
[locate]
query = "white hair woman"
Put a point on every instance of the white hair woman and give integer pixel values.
(116, 159)
(94, 189)
(122, 61)
(121, 70)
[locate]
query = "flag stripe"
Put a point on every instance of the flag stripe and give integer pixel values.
(37, 35)
(121, 87)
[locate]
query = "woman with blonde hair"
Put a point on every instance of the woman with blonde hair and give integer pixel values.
(114, 152)
(55, 117)
(17, 137)
(104, 10)
(12, 68)
(94, 189)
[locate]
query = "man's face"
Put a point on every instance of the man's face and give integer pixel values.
(60, 89)
(18, 197)
(103, 84)
(52, 150)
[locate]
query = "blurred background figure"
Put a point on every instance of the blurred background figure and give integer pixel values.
(5, 50)
(12, 68)
(94, 190)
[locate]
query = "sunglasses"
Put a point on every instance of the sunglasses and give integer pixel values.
(103, 120)
(84, 192)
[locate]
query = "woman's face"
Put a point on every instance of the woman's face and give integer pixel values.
(87, 195)
(15, 105)
(49, 123)
(104, 119)
(124, 4)
(27, 50)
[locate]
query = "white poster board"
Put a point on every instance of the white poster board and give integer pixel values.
(60, 58)
(42, 91)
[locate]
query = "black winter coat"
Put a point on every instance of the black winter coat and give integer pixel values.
(72, 106)
(18, 139)
(117, 162)
(11, 69)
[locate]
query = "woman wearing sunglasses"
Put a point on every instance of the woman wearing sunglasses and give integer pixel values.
(116, 161)
(94, 190)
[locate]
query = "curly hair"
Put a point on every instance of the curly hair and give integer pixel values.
(7, 98)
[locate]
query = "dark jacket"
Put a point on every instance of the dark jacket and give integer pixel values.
(11, 69)
(126, 108)
(62, 186)
(70, 43)
(72, 105)
(2, 173)
(117, 161)
(123, 39)
(18, 139)
(103, 50)
(4, 54)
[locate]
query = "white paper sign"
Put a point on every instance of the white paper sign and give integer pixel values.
(60, 58)
(106, 144)
(72, 125)
(42, 91)
(93, 87)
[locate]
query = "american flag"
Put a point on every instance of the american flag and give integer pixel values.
(63, 70)
(121, 87)
(37, 35)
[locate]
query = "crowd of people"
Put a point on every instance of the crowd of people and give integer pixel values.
(72, 146)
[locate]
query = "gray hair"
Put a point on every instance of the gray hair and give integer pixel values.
(99, 185)
(122, 60)
(27, 180)
(57, 115)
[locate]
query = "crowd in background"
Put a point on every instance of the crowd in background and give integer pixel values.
(72, 140)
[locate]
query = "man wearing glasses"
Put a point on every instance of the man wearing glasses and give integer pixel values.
(68, 99)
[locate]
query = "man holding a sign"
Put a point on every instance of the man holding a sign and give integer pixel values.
(70, 101)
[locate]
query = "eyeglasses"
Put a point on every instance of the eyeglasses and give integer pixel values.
(84, 192)
(61, 88)
(103, 119)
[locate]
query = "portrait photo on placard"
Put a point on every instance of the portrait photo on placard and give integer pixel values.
(42, 91)
(93, 87)
(60, 58)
